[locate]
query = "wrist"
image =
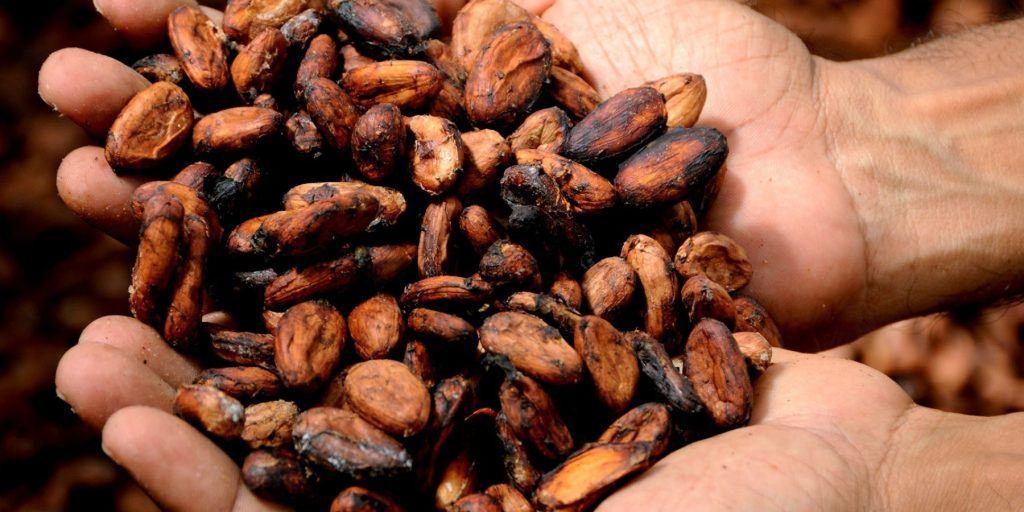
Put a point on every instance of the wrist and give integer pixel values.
(944, 461)
(930, 167)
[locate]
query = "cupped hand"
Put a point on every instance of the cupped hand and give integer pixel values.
(782, 195)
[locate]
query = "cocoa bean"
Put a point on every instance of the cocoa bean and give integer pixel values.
(435, 234)
(590, 474)
(534, 417)
(243, 383)
(211, 410)
(151, 128)
(715, 366)
(406, 84)
(544, 130)
(572, 93)
(320, 61)
(200, 47)
(479, 228)
(617, 126)
(278, 474)
(160, 67)
(609, 286)
(532, 346)
(269, 424)
(308, 344)
(609, 360)
(703, 298)
(718, 257)
(672, 167)
(752, 316)
(378, 142)
(376, 326)
(386, 394)
(437, 153)
(647, 423)
(259, 64)
(755, 349)
(236, 129)
(358, 499)
(341, 441)
(246, 19)
(508, 76)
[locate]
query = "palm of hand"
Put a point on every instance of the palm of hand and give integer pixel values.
(781, 196)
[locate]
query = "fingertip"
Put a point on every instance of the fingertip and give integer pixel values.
(91, 189)
(142, 23)
(144, 344)
(178, 466)
(88, 88)
(97, 380)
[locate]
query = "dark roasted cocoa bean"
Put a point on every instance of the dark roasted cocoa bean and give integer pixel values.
(617, 126)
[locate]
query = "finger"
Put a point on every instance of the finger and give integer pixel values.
(179, 467)
(142, 23)
(88, 185)
(97, 380)
(535, 6)
(88, 88)
(142, 343)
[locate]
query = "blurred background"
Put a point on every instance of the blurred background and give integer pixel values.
(57, 274)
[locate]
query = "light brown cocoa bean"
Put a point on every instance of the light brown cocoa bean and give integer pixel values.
(589, 474)
(476, 22)
(479, 228)
(185, 307)
(755, 349)
(647, 423)
(508, 75)
(243, 383)
(308, 344)
(543, 130)
(303, 283)
(386, 394)
(200, 47)
(157, 258)
(436, 325)
(703, 298)
(376, 326)
(269, 424)
(236, 129)
(150, 128)
(435, 236)
(532, 346)
(609, 286)
(246, 19)
(320, 61)
(437, 153)
(715, 366)
(406, 84)
(610, 361)
(391, 202)
(211, 410)
(442, 290)
(242, 348)
(653, 268)
(485, 154)
(684, 95)
(752, 316)
(258, 64)
(718, 257)
(567, 290)
(572, 93)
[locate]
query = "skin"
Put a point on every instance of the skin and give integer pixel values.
(873, 157)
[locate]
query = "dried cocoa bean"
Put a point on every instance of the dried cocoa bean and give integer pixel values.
(378, 142)
(435, 325)
(609, 360)
(703, 298)
(656, 365)
(508, 76)
(278, 474)
(340, 440)
(320, 61)
(755, 349)
(609, 286)
(435, 234)
(590, 474)
(243, 383)
(358, 499)
(476, 23)
(245, 19)
(269, 424)
(751, 316)
(567, 290)
(259, 64)
(200, 47)
(684, 98)
(485, 154)
(406, 84)
(715, 366)
(308, 344)
(672, 167)
(437, 153)
(160, 67)
(543, 130)
(716, 256)
(532, 346)
(331, 110)
(653, 268)
(386, 394)
(151, 128)
(534, 417)
(446, 290)
(647, 423)
(376, 326)
(211, 410)
(236, 129)
(585, 190)
(617, 126)
(506, 263)
(479, 228)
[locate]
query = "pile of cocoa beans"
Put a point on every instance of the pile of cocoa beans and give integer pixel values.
(447, 273)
